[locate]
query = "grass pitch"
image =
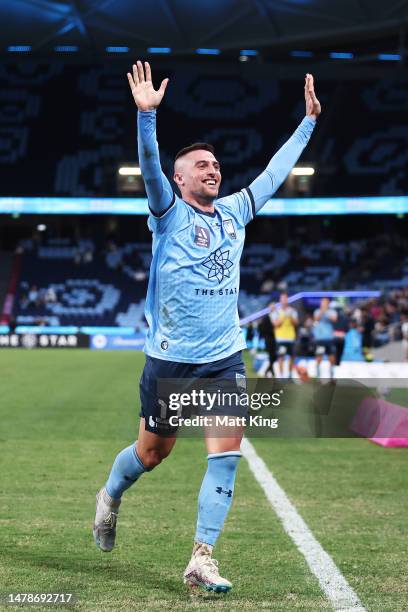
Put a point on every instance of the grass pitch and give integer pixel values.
(65, 415)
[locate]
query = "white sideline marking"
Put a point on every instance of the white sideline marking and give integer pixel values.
(331, 580)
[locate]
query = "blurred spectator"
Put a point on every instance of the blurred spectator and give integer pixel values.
(77, 256)
(305, 337)
(267, 332)
(340, 329)
(323, 329)
(88, 256)
(367, 325)
(393, 317)
(381, 334)
(404, 331)
(50, 297)
(267, 286)
(23, 301)
(353, 343)
(33, 296)
(250, 335)
(285, 321)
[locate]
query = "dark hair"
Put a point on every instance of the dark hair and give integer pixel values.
(196, 146)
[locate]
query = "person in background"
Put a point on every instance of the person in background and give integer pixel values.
(323, 332)
(367, 326)
(341, 326)
(50, 297)
(285, 321)
(305, 343)
(353, 343)
(404, 331)
(267, 331)
(33, 296)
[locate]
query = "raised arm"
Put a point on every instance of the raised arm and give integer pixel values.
(269, 181)
(159, 191)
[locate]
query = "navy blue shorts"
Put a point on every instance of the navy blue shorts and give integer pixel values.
(289, 346)
(229, 374)
(328, 346)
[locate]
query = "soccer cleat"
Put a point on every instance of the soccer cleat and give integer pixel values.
(202, 571)
(104, 528)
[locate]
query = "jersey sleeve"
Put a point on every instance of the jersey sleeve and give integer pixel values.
(240, 205)
(170, 220)
(160, 194)
(269, 181)
(294, 314)
(332, 314)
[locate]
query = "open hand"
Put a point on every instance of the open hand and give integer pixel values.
(144, 94)
(313, 108)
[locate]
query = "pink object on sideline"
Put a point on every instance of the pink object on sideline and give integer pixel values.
(382, 422)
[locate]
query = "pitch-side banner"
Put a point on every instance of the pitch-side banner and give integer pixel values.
(102, 342)
(31, 341)
(138, 206)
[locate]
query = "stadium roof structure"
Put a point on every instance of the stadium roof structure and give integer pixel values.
(90, 28)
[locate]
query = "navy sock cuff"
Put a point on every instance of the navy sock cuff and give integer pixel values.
(226, 454)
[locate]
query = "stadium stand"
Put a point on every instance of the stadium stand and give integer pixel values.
(77, 283)
(100, 132)
(90, 289)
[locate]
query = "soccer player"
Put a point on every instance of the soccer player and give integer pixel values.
(267, 332)
(191, 309)
(323, 333)
(285, 320)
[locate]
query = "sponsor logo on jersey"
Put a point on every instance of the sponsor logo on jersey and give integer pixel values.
(229, 228)
(218, 265)
(202, 236)
(227, 291)
(228, 492)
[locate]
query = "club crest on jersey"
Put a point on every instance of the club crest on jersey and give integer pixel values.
(229, 228)
(202, 236)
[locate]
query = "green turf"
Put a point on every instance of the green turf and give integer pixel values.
(64, 416)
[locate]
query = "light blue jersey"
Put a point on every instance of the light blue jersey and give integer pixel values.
(191, 304)
(323, 329)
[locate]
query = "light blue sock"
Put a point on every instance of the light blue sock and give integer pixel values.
(215, 496)
(126, 469)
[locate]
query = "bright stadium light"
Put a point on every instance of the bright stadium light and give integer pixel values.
(66, 48)
(248, 52)
(116, 49)
(301, 53)
(19, 48)
(245, 54)
(159, 49)
(130, 171)
(341, 55)
(41, 227)
(306, 171)
(202, 51)
(389, 57)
